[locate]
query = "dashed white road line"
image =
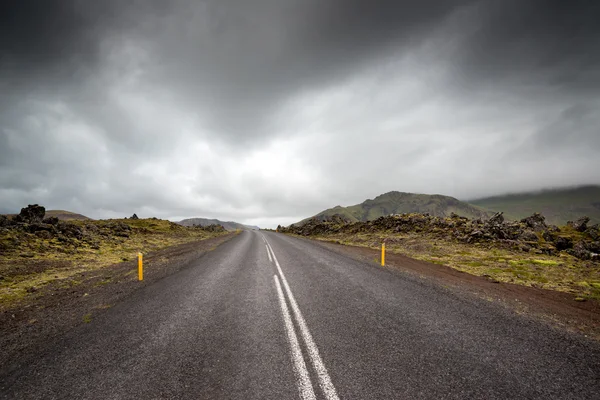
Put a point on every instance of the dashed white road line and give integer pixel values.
(268, 253)
(303, 379)
(313, 352)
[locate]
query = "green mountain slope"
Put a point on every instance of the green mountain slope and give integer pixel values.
(229, 225)
(558, 206)
(400, 203)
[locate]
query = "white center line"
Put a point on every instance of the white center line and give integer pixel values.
(313, 352)
(268, 253)
(303, 379)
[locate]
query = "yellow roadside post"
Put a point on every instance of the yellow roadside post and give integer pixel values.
(140, 267)
(383, 254)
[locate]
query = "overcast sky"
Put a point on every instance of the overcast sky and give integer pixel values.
(269, 111)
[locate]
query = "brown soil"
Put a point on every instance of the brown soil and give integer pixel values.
(558, 308)
(63, 304)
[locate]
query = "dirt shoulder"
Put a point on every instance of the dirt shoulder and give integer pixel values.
(63, 304)
(554, 307)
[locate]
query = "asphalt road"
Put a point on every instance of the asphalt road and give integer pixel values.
(306, 322)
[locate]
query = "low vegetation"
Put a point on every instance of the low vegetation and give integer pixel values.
(528, 252)
(35, 250)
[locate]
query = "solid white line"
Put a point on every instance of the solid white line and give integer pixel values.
(302, 378)
(268, 253)
(313, 352)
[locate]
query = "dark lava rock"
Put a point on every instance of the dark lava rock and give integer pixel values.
(496, 219)
(119, 228)
(537, 222)
(32, 214)
(41, 227)
(592, 231)
(528, 236)
(563, 243)
(4, 221)
(581, 224)
(134, 216)
(580, 251)
(51, 220)
(213, 228)
(547, 236)
(594, 247)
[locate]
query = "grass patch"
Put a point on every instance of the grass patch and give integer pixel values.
(63, 259)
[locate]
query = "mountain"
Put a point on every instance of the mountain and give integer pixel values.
(400, 203)
(229, 225)
(557, 205)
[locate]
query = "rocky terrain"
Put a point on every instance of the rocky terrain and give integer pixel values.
(36, 250)
(528, 251)
(29, 233)
(531, 234)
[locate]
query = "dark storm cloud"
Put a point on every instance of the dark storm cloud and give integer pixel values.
(533, 43)
(238, 109)
(241, 58)
(51, 42)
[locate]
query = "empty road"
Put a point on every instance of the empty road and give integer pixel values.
(267, 316)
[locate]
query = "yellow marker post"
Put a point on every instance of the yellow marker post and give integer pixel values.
(383, 254)
(140, 267)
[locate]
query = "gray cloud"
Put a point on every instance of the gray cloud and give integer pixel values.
(269, 111)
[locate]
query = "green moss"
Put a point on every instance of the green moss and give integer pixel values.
(475, 263)
(544, 262)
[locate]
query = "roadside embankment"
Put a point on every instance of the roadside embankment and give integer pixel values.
(55, 274)
(527, 252)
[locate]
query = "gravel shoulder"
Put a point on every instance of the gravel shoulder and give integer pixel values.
(556, 308)
(58, 307)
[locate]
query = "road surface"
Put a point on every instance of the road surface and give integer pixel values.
(267, 316)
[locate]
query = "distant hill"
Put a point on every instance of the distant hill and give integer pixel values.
(400, 203)
(557, 205)
(65, 215)
(60, 214)
(229, 225)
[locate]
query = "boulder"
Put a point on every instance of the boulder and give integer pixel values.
(496, 219)
(592, 231)
(537, 222)
(528, 236)
(580, 251)
(581, 224)
(547, 236)
(563, 243)
(594, 247)
(134, 216)
(32, 214)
